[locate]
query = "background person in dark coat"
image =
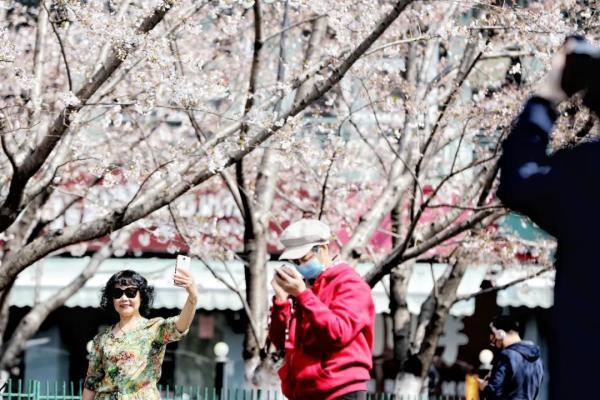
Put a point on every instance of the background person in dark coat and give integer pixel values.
(561, 193)
(517, 372)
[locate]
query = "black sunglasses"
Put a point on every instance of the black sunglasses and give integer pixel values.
(130, 292)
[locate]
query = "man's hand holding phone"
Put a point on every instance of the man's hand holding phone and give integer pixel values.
(287, 281)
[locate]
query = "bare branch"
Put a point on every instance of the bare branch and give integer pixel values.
(366, 141)
(452, 231)
(283, 30)
(43, 183)
(44, 223)
(462, 136)
(313, 53)
(458, 84)
(4, 310)
(233, 189)
(7, 152)
(62, 48)
(254, 68)
(146, 179)
(438, 318)
(324, 187)
(498, 288)
(391, 147)
(295, 203)
(466, 208)
(403, 41)
(238, 293)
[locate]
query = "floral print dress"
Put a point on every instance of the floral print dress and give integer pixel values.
(128, 366)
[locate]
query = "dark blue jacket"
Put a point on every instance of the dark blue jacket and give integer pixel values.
(517, 373)
(561, 193)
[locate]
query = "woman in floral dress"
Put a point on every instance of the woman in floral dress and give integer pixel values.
(126, 358)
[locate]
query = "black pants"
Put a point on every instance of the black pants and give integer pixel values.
(353, 396)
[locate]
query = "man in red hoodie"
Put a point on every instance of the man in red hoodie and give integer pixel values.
(323, 317)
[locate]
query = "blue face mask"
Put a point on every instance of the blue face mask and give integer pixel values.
(311, 269)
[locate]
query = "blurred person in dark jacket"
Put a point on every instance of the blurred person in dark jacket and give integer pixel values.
(560, 192)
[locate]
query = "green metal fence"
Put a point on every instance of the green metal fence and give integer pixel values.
(36, 390)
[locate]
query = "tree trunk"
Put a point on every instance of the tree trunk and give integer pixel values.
(38, 67)
(399, 278)
(257, 297)
(259, 366)
(313, 53)
(444, 302)
(4, 310)
(413, 381)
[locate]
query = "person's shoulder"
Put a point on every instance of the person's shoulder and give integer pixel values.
(346, 276)
(103, 333)
(346, 272)
(153, 322)
(510, 355)
(507, 354)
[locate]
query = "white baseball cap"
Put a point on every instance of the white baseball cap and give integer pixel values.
(301, 236)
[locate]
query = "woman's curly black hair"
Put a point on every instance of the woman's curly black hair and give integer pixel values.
(128, 278)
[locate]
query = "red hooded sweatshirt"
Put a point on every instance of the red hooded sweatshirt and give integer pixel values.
(327, 334)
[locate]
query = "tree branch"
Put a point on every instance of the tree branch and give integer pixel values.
(366, 141)
(36, 316)
(442, 309)
(324, 187)
(294, 202)
(102, 55)
(116, 79)
(38, 64)
(62, 48)
(458, 84)
(403, 41)
(34, 161)
(495, 289)
(7, 152)
(398, 255)
(292, 26)
(146, 179)
(249, 218)
(158, 198)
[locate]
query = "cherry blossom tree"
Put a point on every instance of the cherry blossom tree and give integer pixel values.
(383, 118)
(114, 111)
(407, 149)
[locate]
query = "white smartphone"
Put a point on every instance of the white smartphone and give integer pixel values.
(183, 262)
(286, 269)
